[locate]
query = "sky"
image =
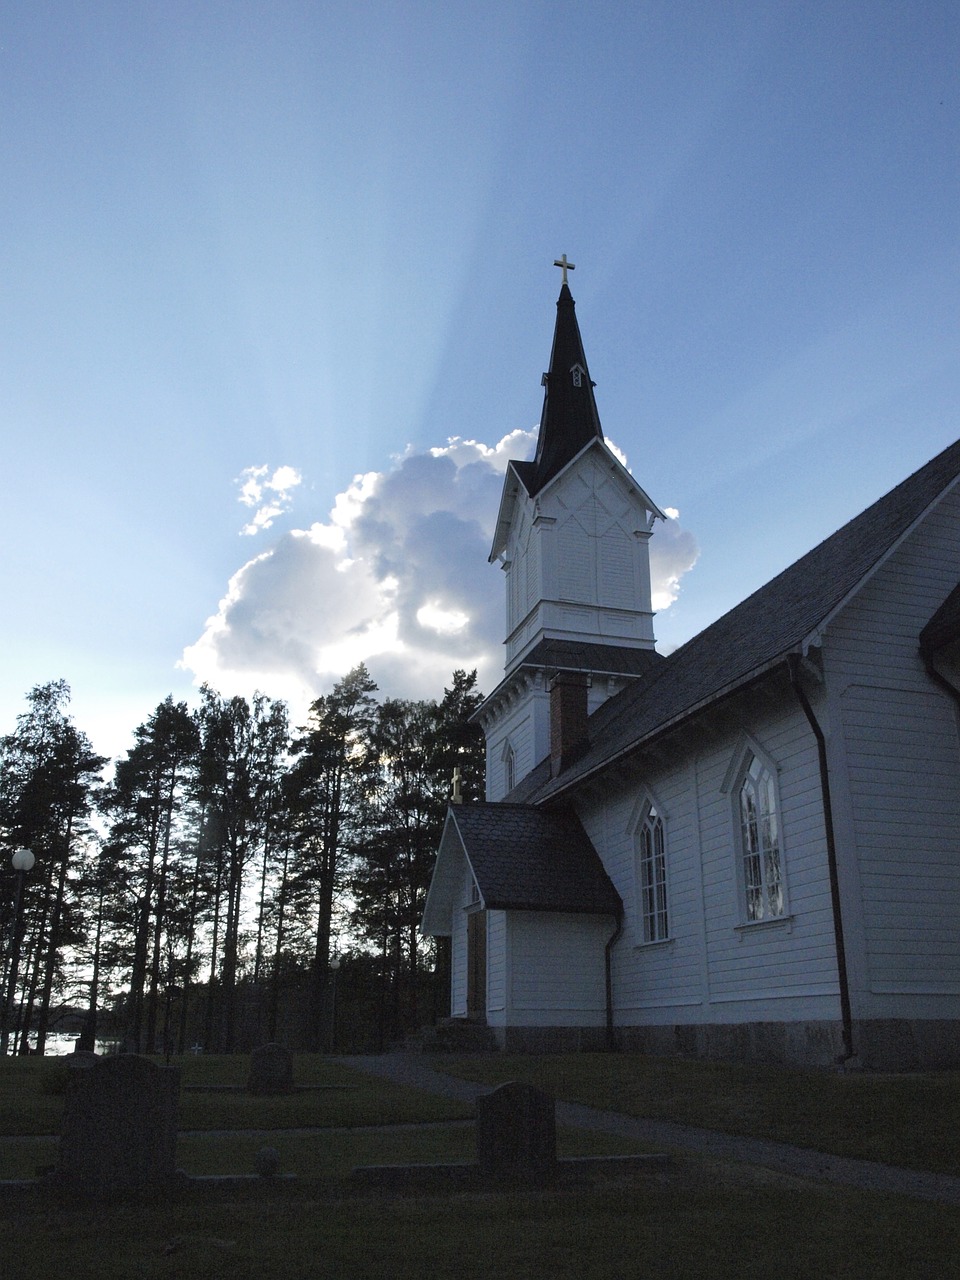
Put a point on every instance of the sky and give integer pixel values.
(276, 294)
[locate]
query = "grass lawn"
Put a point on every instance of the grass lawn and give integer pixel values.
(32, 1089)
(909, 1120)
(697, 1221)
(696, 1218)
(327, 1154)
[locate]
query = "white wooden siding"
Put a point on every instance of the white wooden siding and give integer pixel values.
(896, 753)
(557, 969)
(904, 777)
(458, 964)
(894, 756)
(496, 964)
(577, 566)
(526, 726)
(715, 967)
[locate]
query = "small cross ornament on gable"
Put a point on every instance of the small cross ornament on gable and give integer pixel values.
(456, 796)
(565, 265)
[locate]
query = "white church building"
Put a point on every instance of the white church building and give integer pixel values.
(749, 848)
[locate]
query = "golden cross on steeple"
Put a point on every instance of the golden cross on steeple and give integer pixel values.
(567, 266)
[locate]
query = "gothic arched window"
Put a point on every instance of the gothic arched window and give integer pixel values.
(652, 876)
(760, 841)
(509, 769)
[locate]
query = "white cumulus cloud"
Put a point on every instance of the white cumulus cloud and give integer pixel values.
(271, 495)
(673, 550)
(396, 576)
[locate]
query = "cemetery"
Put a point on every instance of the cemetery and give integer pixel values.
(262, 1163)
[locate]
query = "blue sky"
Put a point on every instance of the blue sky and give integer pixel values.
(293, 244)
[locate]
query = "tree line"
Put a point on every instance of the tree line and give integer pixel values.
(233, 879)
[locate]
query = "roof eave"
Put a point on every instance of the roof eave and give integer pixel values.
(512, 484)
(438, 907)
(560, 909)
(667, 726)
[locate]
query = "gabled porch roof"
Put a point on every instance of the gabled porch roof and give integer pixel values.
(523, 859)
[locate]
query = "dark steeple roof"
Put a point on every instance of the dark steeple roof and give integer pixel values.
(569, 420)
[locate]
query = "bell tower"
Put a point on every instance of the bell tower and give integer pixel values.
(572, 539)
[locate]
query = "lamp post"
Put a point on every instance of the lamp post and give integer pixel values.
(23, 861)
(334, 967)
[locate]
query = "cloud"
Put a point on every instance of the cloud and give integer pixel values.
(673, 551)
(397, 576)
(270, 495)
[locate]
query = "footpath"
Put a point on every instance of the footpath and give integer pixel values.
(410, 1069)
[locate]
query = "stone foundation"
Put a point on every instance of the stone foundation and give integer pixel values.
(879, 1045)
(551, 1039)
(908, 1044)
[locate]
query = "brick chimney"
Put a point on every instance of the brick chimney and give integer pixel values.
(568, 718)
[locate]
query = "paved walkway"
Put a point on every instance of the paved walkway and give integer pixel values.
(410, 1069)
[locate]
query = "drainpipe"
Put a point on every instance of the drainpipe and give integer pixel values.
(793, 664)
(608, 950)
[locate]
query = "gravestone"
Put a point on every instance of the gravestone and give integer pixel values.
(119, 1126)
(271, 1070)
(82, 1058)
(266, 1162)
(517, 1134)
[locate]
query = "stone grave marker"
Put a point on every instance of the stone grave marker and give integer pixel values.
(119, 1126)
(271, 1070)
(82, 1058)
(517, 1134)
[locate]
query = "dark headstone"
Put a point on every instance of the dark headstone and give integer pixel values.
(517, 1134)
(119, 1126)
(82, 1058)
(266, 1162)
(271, 1070)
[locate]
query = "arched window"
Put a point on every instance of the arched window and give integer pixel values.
(509, 769)
(652, 877)
(760, 842)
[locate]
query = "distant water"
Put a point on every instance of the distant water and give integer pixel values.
(58, 1045)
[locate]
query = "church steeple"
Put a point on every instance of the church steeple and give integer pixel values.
(571, 538)
(569, 420)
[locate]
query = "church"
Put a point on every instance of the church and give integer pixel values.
(749, 848)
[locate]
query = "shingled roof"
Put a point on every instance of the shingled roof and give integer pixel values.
(567, 655)
(601, 659)
(527, 859)
(776, 620)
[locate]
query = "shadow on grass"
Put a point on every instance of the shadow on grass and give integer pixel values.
(697, 1220)
(906, 1120)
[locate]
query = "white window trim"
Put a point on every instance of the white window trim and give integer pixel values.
(646, 804)
(748, 749)
(508, 758)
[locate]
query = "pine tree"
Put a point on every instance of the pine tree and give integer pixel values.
(48, 779)
(326, 795)
(148, 792)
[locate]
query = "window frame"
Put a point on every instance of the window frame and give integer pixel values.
(761, 897)
(651, 892)
(508, 758)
